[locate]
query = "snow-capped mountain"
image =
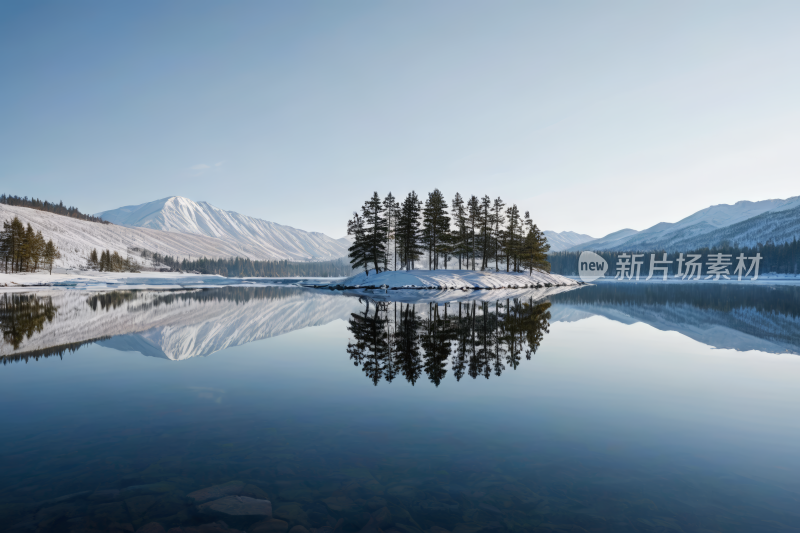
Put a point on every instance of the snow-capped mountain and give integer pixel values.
(745, 223)
(252, 236)
(565, 239)
(75, 238)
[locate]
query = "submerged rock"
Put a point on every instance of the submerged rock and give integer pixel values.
(120, 528)
(150, 488)
(152, 527)
(253, 492)
(112, 512)
(217, 491)
(371, 527)
(292, 512)
(216, 527)
(270, 526)
(237, 506)
(138, 505)
(104, 495)
(338, 503)
(382, 517)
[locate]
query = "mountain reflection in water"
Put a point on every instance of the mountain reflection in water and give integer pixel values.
(473, 334)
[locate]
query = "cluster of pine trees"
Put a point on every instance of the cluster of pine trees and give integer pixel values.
(781, 258)
(44, 205)
(24, 250)
(472, 233)
(240, 267)
(108, 261)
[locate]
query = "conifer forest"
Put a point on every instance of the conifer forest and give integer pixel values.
(462, 233)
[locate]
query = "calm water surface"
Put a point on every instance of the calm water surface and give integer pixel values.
(607, 408)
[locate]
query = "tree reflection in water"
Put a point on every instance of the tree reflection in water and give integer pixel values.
(22, 315)
(477, 338)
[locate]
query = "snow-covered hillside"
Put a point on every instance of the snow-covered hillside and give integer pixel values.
(254, 236)
(565, 239)
(76, 238)
(744, 222)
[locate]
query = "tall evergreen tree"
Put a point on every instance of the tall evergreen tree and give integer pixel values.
(6, 245)
(534, 250)
(435, 226)
(512, 240)
(37, 247)
(458, 241)
(358, 252)
(473, 225)
(51, 253)
(375, 230)
(408, 232)
(28, 248)
(487, 231)
(17, 243)
(391, 208)
(498, 219)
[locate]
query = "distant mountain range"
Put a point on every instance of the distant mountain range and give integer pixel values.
(743, 223)
(565, 239)
(252, 236)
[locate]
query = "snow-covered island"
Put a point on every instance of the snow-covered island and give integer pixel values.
(453, 279)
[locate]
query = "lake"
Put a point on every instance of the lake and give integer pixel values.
(617, 407)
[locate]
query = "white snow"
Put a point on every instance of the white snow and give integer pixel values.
(253, 236)
(76, 238)
(454, 279)
(98, 281)
(565, 239)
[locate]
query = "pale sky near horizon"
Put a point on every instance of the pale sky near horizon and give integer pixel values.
(593, 116)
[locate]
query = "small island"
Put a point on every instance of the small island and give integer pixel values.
(453, 280)
(486, 245)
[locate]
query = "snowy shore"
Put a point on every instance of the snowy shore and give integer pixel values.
(453, 279)
(100, 281)
(763, 279)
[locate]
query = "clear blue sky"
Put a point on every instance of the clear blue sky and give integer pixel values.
(593, 115)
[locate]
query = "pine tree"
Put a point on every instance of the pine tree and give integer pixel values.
(473, 225)
(408, 231)
(391, 208)
(512, 240)
(534, 250)
(38, 245)
(435, 226)
(458, 241)
(93, 262)
(6, 247)
(51, 253)
(487, 231)
(27, 248)
(375, 230)
(498, 219)
(358, 251)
